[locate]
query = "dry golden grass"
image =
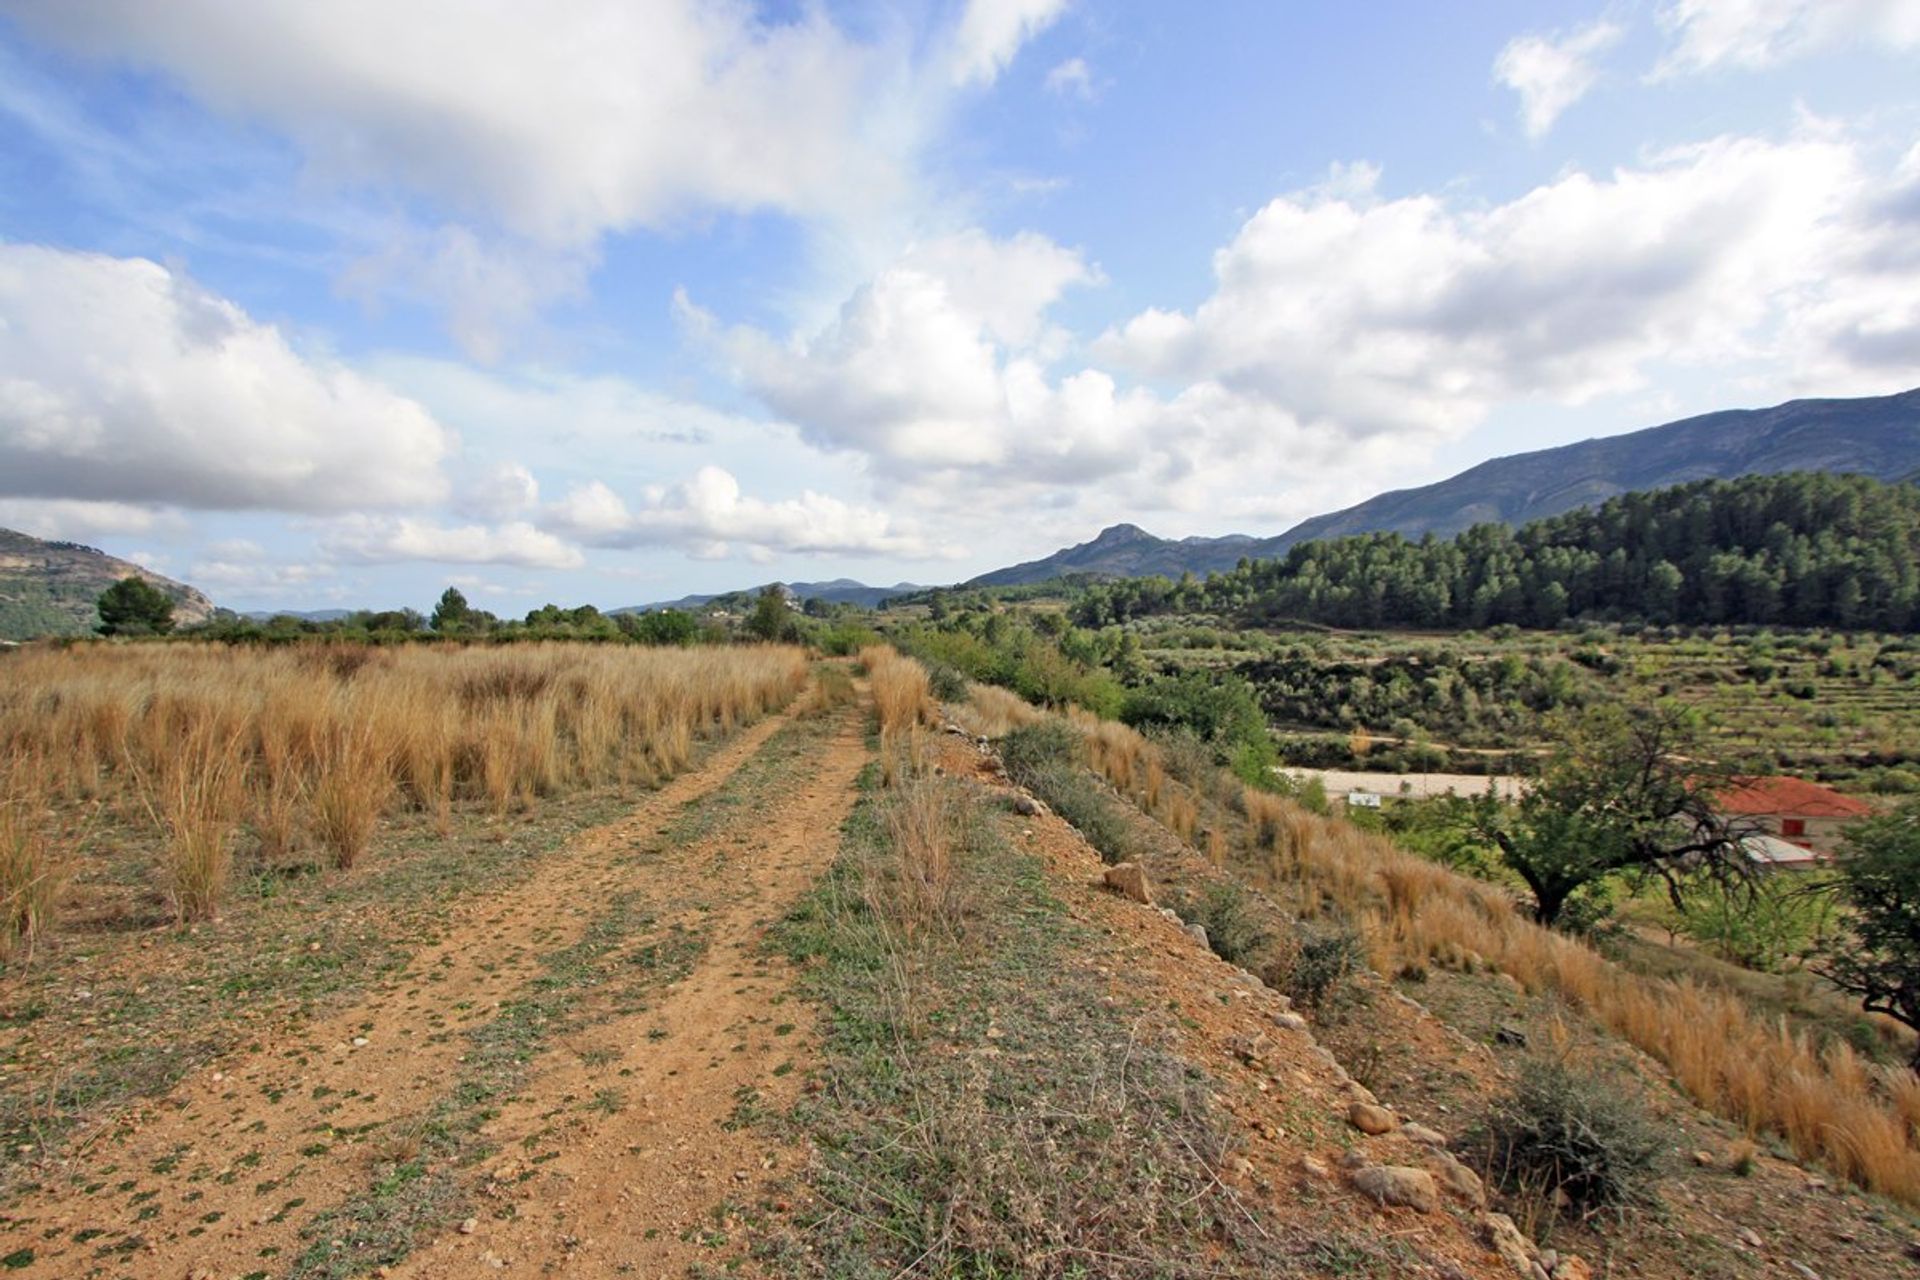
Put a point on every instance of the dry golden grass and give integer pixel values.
(991, 712)
(1828, 1105)
(903, 703)
(312, 746)
(923, 823)
(1860, 1121)
(32, 869)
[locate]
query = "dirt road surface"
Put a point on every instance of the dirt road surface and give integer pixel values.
(609, 1148)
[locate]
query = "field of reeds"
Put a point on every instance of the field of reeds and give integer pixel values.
(214, 754)
(1860, 1120)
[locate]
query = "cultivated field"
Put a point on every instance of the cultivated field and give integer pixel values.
(1841, 707)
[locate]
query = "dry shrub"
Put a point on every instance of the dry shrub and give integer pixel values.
(32, 870)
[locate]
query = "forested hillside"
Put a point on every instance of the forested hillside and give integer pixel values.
(1802, 549)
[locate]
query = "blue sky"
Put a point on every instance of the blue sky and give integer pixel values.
(316, 305)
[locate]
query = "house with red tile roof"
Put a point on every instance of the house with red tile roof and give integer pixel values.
(1792, 809)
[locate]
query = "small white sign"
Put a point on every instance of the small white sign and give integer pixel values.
(1363, 799)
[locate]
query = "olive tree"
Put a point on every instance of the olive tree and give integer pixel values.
(1623, 789)
(1877, 956)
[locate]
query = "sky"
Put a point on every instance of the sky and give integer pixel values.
(321, 305)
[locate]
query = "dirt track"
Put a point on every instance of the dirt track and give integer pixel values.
(612, 1132)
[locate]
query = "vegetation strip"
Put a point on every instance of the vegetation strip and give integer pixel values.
(982, 1111)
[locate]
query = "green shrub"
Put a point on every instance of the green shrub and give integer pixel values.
(1320, 973)
(948, 683)
(1233, 924)
(1075, 796)
(1570, 1139)
(1041, 745)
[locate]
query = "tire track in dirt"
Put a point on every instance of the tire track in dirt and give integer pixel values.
(215, 1178)
(643, 1184)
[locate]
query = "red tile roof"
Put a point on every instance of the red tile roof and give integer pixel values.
(1794, 797)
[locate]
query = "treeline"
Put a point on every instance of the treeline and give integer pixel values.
(1802, 549)
(833, 629)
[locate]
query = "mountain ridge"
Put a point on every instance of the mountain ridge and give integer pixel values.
(1877, 436)
(49, 588)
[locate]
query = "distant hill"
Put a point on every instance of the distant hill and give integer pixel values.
(304, 615)
(837, 591)
(1801, 549)
(49, 588)
(1877, 436)
(1127, 551)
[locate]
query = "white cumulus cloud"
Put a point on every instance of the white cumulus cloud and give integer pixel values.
(122, 381)
(992, 31)
(1551, 75)
(1413, 317)
(1707, 35)
(378, 540)
(709, 516)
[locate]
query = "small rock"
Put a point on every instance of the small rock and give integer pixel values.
(1512, 1036)
(1282, 1002)
(1314, 1168)
(1424, 1136)
(1025, 806)
(1573, 1267)
(1290, 1021)
(1750, 1238)
(1704, 1159)
(1461, 1181)
(1250, 1049)
(469, 1225)
(359, 1042)
(1129, 881)
(1198, 932)
(1241, 1167)
(1370, 1119)
(1396, 1184)
(1800, 1269)
(1514, 1248)
(1549, 1259)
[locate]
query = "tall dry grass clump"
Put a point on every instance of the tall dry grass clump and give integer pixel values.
(32, 868)
(350, 789)
(993, 712)
(903, 704)
(923, 822)
(197, 795)
(309, 747)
